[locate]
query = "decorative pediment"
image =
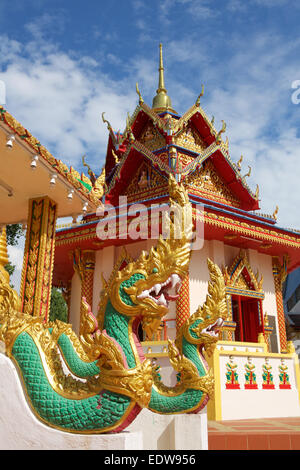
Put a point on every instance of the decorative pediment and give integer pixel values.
(183, 160)
(151, 137)
(240, 275)
(190, 139)
(206, 181)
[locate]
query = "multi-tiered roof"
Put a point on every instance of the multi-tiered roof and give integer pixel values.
(158, 141)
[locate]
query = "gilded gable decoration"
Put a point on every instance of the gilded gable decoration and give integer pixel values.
(240, 277)
(190, 139)
(151, 138)
(145, 179)
(206, 180)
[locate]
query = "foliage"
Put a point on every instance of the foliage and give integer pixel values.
(10, 268)
(13, 233)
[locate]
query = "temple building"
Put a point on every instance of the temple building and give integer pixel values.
(256, 369)
(254, 253)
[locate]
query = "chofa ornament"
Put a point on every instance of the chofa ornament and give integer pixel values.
(109, 379)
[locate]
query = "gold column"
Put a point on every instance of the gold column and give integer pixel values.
(183, 303)
(279, 274)
(36, 281)
(228, 330)
(87, 279)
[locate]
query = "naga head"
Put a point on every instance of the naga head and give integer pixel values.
(203, 327)
(145, 287)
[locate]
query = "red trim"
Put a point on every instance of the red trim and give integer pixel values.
(262, 317)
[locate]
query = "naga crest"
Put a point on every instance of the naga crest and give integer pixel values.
(145, 287)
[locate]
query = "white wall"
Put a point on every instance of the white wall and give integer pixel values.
(199, 276)
(104, 263)
(259, 403)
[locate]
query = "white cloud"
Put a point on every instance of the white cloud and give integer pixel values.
(199, 8)
(60, 97)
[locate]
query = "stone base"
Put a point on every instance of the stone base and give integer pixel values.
(21, 430)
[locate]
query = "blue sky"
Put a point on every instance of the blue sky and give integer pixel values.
(66, 62)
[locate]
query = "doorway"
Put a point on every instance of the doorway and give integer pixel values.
(246, 316)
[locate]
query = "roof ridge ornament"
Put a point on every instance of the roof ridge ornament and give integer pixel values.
(248, 173)
(199, 97)
(139, 93)
(218, 137)
(239, 163)
(275, 213)
(109, 127)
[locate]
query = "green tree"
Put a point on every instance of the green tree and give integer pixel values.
(13, 233)
(58, 306)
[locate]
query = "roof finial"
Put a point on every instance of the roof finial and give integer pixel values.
(161, 101)
(161, 80)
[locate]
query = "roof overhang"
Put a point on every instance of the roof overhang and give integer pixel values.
(233, 230)
(26, 174)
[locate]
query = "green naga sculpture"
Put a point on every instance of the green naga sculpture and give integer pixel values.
(100, 381)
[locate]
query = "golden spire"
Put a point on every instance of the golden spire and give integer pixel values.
(161, 101)
(161, 82)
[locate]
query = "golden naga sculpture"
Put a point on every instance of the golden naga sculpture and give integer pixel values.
(223, 129)
(110, 380)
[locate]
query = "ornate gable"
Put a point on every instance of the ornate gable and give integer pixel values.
(190, 140)
(147, 182)
(151, 138)
(240, 275)
(206, 182)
